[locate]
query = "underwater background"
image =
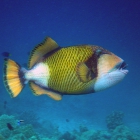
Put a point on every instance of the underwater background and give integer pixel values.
(112, 114)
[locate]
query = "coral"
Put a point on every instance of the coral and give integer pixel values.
(49, 129)
(27, 132)
(83, 128)
(85, 135)
(67, 136)
(100, 135)
(18, 132)
(124, 133)
(29, 117)
(4, 119)
(19, 136)
(94, 135)
(2, 138)
(114, 119)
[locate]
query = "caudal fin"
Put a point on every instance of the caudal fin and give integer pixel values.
(13, 77)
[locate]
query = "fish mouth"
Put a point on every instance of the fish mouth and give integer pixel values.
(122, 67)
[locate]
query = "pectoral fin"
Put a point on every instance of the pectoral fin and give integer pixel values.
(37, 90)
(85, 73)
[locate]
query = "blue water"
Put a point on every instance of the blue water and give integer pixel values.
(114, 25)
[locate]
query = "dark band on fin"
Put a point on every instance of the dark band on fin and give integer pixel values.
(52, 52)
(37, 90)
(40, 50)
(13, 81)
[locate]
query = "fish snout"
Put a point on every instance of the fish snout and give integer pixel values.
(122, 67)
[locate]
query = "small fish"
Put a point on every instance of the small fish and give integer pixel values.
(57, 71)
(6, 54)
(10, 127)
(20, 121)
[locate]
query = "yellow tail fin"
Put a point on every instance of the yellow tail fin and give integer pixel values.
(13, 80)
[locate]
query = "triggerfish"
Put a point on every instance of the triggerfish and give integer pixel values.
(57, 71)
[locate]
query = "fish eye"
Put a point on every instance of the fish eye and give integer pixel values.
(100, 52)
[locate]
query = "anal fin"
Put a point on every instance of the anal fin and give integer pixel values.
(37, 90)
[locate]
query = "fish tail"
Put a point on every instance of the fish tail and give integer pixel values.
(13, 77)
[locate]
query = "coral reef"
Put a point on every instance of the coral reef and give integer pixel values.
(27, 131)
(1, 137)
(114, 119)
(29, 117)
(94, 135)
(67, 136)
(124, 133)
(18, 133)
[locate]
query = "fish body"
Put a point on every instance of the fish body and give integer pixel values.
(72, 70)
(19, 122)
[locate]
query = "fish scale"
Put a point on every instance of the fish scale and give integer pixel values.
(63, 66)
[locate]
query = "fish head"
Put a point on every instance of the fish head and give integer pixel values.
(111, 69)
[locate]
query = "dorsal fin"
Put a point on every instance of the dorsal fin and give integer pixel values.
(37, 90)
(40, 50)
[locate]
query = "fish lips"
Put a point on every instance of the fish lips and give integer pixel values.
(122, 67)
